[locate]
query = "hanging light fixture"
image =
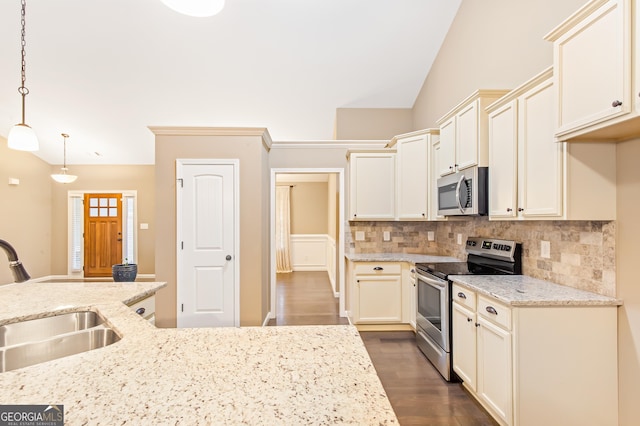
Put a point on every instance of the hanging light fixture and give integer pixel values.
(63, 177)
(199, 8)
(21, 136)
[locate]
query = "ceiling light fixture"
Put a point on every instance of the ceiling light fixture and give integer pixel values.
(198, 8)
(64, 177)
(22, 137)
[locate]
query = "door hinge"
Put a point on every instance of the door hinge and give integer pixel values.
(182, 245)
(182, 307)
(181, 182)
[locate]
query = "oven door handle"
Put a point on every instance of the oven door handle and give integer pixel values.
(433, 282)
(462, 179)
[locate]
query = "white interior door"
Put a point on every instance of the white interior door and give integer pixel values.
(207, 268)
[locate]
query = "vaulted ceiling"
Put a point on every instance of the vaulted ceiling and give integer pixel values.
(104, 70)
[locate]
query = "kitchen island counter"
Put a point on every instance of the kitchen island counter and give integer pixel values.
(248, 375)
(522, 290)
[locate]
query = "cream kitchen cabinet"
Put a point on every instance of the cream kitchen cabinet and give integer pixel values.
(146, 308)
(531, 176)
(464, 133)
(372, 177)
(597, 96)
(412, 173)
(528, 366)
(434, 174)
(377, 292)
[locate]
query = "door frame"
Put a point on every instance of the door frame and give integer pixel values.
(340, 263)
(79, 193)
(180, 163)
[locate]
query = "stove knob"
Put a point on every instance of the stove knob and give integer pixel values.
(506, 248)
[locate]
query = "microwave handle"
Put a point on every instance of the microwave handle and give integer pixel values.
(462, 179)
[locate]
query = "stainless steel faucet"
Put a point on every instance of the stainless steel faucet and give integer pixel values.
(19, 273)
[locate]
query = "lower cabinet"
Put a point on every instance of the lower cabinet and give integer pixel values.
(146, 308)
(537, 365)
(381, 295)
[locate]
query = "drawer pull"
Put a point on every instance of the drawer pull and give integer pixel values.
(461, 295)
(492, 310)
(469, 319)
(140, 311)
(378, 268)
(616, 103)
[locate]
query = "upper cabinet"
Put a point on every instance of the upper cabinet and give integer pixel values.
(372, 177)
(597, 96)
(464, 133)
(531, 176)
(412, 173)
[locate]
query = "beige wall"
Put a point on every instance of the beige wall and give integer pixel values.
(492, 44)
(372, 123)
(254, 216)
(106, 178)
(309, 209)
(25, 213)
(628, 283)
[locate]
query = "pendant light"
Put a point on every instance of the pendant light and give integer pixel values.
(21, 136)
(198, 8)
(63, 177)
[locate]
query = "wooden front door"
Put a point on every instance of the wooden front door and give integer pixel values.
(102, 233)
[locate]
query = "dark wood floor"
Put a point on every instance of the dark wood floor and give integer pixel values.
(417, 392)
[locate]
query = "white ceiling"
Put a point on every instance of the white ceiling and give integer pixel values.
(104, 70)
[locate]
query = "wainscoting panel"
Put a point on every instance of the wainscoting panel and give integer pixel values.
(309, 252)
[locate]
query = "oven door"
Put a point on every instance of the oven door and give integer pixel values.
(433, 309)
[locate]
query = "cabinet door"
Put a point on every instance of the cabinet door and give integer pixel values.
(503, 160)
(540, 172)
(495, 369)
(592, 63)
(464, 344)
(447, 147)
(467, 137)
(436, 166)
(378, 299)
(412, 168)
(372, 184)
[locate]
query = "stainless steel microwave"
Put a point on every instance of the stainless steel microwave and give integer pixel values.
(464, 193)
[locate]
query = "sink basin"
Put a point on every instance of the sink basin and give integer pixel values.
(44, 328)
(26, 354)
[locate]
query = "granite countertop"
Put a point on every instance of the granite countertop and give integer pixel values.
(399, 257)
(249, 375)
(521, 290)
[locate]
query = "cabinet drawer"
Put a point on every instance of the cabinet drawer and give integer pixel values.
(494, 312)
(464, 297)
(146, 308)
(377, 268)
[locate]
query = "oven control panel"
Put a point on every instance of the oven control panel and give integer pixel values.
(491, 247)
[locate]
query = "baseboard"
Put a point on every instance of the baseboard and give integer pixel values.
(266, 320)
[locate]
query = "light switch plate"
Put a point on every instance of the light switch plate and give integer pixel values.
(431, 236)
(460, 239)
(545, 249)
(144, 226)
(387, 236)
(359, 235)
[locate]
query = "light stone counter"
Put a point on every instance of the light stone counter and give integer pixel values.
(521, 290)
(307, 375)
(399, 257)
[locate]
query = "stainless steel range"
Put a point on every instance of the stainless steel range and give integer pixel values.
(485, 256)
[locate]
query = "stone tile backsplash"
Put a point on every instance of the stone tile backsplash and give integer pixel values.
(582, 252)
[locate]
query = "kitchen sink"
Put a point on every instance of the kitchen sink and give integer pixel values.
(35, 352)
(44, 328)
(39, 340)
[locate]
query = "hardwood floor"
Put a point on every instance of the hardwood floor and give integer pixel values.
(306, 298)
(417, 392)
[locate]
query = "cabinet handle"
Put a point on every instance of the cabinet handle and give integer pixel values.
(520, 209)
(492, 310)
(424, 215)
(354, 215)
(456, 165)
(140, 311)
(509, 209)
(378, 268)
(469, 320)
(461, 295)
(450, 167)
(616, 103)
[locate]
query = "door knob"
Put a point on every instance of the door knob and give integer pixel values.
(228, 257)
